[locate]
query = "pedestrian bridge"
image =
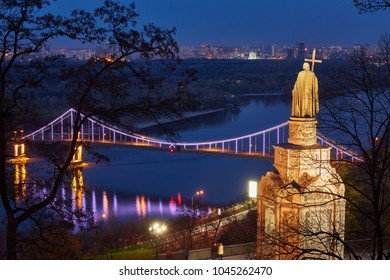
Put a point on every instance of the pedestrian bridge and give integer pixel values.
(258, 144)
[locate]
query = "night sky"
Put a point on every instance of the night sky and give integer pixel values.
(253, 22)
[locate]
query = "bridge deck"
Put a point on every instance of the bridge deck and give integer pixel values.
(256, 145)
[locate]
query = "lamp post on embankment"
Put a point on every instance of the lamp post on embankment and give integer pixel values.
(157, 230)
(198, 193)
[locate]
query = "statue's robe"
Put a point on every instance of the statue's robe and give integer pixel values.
(305, 95)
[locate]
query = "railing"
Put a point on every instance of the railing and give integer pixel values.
(340, 152)
(94, 130)
(241, 251)
(245, 251)
(97, 131)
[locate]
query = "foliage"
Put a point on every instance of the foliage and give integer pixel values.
(367, 6)
(182, 228)
(241, 230)
(110, 87)
(360, 120)
(353, 221)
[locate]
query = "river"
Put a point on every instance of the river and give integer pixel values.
(149, 183)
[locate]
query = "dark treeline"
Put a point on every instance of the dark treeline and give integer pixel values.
(253, 76)
(213, 81)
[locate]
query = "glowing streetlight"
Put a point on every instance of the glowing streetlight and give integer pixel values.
(252, 192)
(252, 189)
(198, 193)
(157, 228)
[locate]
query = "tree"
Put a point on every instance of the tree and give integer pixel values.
(182, 229)
(366, 6)
(109, 86)
(360, 120)
(238, 222)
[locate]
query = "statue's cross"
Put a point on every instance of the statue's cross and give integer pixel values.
(313, 60)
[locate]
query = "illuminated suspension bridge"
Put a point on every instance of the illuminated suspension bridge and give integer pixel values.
(259, 144)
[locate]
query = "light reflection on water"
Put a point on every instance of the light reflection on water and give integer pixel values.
(105, 205)
(142, 183)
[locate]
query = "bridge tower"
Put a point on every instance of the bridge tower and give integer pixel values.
(77, 160)
(78, 155)
(77, 178)
(300, 213)
(19, 162)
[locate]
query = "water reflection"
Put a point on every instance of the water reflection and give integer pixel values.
(20, 181)
(77, 184)
(101, 203)
(143, 183)
(122, 205)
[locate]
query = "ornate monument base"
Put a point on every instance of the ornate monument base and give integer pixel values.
(300, 214)
(302, 131)
(294, 162)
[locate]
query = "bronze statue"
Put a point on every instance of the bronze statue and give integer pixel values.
(305, 94)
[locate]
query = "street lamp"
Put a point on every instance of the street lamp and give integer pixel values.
(252, 189)
(156, 230)
(252, 192)
(198, 193)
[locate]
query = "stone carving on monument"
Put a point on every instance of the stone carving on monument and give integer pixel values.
(299, 210)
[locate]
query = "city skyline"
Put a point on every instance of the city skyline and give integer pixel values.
(229, 23)
(209, 51)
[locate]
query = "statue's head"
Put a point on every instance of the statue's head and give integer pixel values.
(306, 66)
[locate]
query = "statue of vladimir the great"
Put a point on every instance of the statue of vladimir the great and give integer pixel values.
(305, 94)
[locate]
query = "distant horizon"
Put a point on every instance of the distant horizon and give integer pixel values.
(86, 46)
(252, 23)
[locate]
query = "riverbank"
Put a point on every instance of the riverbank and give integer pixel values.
(186, 115)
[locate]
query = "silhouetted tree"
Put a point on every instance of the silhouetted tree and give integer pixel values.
(182, 229)
(366, 6)
(360, 120)
(108, 86)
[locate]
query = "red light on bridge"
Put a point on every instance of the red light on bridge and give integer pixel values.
(179, 198)
(172, 148)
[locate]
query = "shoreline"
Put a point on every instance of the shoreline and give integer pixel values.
(186, 115)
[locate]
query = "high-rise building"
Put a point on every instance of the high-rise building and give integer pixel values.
(301, 51)
(290, 53)
(235, 53)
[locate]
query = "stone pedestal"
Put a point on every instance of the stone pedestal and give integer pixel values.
(293, 162)
(302, 131)
(298, 203)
